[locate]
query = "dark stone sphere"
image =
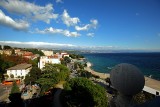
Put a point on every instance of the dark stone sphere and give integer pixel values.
(127, 79)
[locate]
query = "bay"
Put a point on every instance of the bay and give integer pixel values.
(148, 63)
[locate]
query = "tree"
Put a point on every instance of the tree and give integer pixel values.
(82, 92)
(51, 75)
(13, 52)
(15, 88)
(76, 56)
(34, 62)
(33, 75)
(12, 76)
(108, 81)
(84, 73)
(7, 47)
(6, 76)
(67, 59)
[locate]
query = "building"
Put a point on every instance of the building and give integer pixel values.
(17, 50)
(47, 53)
(48, 59)
(19, 71)
(62, 55)
(7, 52)
(28, 55)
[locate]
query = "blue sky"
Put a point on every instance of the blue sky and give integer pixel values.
(81, 24)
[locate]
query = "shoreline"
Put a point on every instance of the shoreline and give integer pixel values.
(149, 82)
(101, 75)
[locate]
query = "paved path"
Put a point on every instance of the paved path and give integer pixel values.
(56, 98)
(56, 101)
(4, 92)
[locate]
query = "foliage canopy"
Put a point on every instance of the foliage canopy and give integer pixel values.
(83, 93)
(15, 88)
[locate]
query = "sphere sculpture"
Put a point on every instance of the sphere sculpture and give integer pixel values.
(127, 79)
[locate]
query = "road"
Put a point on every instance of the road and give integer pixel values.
(4, 92)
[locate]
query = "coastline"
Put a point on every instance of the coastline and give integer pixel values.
(101, 75)
(149, 82)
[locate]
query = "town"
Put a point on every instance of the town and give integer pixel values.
(35, 73)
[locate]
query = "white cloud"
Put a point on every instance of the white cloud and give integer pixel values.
(68, 20)
(48, 45)
(57, 31)
(59, 1)
(90, 34)
(8, 21)
(33, 44)
(36, 44)
(86, 27)
(93, 24)
(35, 12)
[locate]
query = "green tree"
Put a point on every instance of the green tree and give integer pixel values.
(33, 75)
(67, 59)
(7, 47)
(15, 88)
(76, 56)
(84, 73)
(82, 92)
(34, 62)
(13, 52)
(12, 76)
(51, 75)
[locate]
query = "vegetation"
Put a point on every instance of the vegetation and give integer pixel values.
(76, 56)
(51, 75)
(65, 61)
(7, 47)
(78, 66)
(9, 61)
(15, 88)
(12, 76)
(81, 92)
(33, 75)
(34, 62)
(142, 97)
(84, 73)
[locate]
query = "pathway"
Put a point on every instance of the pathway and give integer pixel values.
(56, 98)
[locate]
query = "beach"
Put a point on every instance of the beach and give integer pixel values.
(149, 82)
(101, 75)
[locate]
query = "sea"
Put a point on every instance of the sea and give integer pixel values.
(148, 63)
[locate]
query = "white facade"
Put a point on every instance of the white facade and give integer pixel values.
(151, 90)
(65, 55)
(47, 59)
(47, 53)
(19, 70)
(62, 55)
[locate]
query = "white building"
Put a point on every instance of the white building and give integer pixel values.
(62, 55)
(18, 71)
(48, 59)
(47, 53)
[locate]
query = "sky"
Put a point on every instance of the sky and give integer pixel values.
(81, 24)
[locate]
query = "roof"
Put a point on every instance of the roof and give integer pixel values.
(20, 66)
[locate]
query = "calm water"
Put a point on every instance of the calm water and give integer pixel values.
(148, 63)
